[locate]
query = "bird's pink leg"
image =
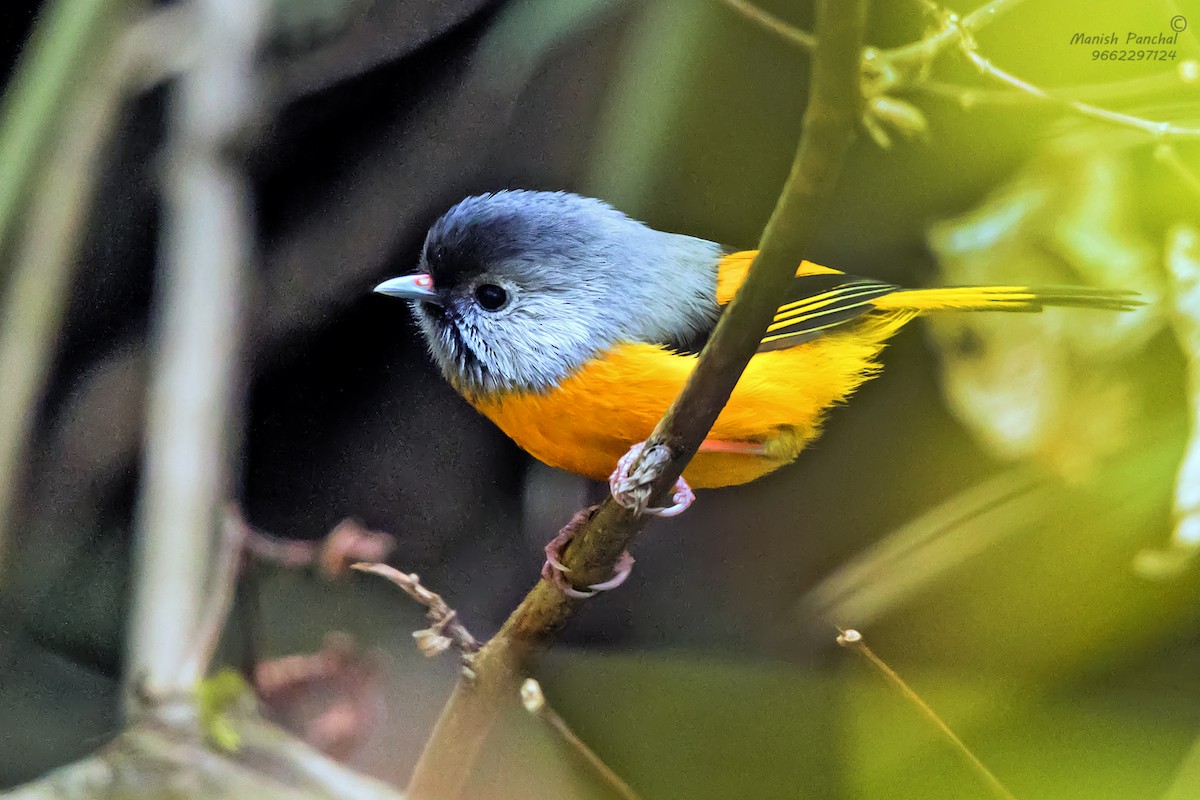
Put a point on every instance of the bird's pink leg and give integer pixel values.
(739, 448)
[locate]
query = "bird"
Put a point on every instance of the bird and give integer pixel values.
(573, 326)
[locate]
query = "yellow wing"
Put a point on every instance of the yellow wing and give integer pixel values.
(821, 298)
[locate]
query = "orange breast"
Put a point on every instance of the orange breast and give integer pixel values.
(590, 420)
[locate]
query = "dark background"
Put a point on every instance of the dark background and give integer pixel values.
(699, 677)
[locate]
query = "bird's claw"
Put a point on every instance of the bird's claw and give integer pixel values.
(631, 489)
(681, 500)
(555, 571)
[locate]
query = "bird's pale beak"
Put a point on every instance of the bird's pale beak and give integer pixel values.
(410, 287)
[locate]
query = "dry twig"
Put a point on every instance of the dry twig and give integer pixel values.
(220, 599)
(791, 33)
(853, 639)
(446, 631)
(535, 703)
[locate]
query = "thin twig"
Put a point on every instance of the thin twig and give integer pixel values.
(349, 543)
(961, 31)
(1132, 89)
(281, 676)
(791, 33)
(854, 640)
(446, 631)
(919, 56)
(1158, 130)
(920, 53)
(222, 589)
(278, 550)
(332, 698)
(535, 703)
(834, 107)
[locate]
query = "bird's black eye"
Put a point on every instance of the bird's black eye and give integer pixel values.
(490, 296)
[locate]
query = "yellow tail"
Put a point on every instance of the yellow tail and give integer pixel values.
(1005, 298)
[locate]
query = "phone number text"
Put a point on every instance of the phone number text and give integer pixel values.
(1133, 55)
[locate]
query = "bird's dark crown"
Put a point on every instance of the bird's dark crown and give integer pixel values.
(486, 230)
(462, 243)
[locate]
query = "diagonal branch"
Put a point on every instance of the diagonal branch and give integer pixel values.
(1158, 130)
(854, 640)
(829, 121)
(803, 39)
(535, 703)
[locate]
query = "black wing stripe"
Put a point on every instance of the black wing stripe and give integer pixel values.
(823, 299)
(780, 341)
(828, 303)
(841, 287)
(830, 320)
(817, 303)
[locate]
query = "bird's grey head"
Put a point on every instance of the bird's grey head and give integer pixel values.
(516, 290)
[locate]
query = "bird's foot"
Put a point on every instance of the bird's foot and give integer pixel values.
(631, 488)
(555, 571)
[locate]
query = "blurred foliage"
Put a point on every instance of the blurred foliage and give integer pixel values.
(1053, 388)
